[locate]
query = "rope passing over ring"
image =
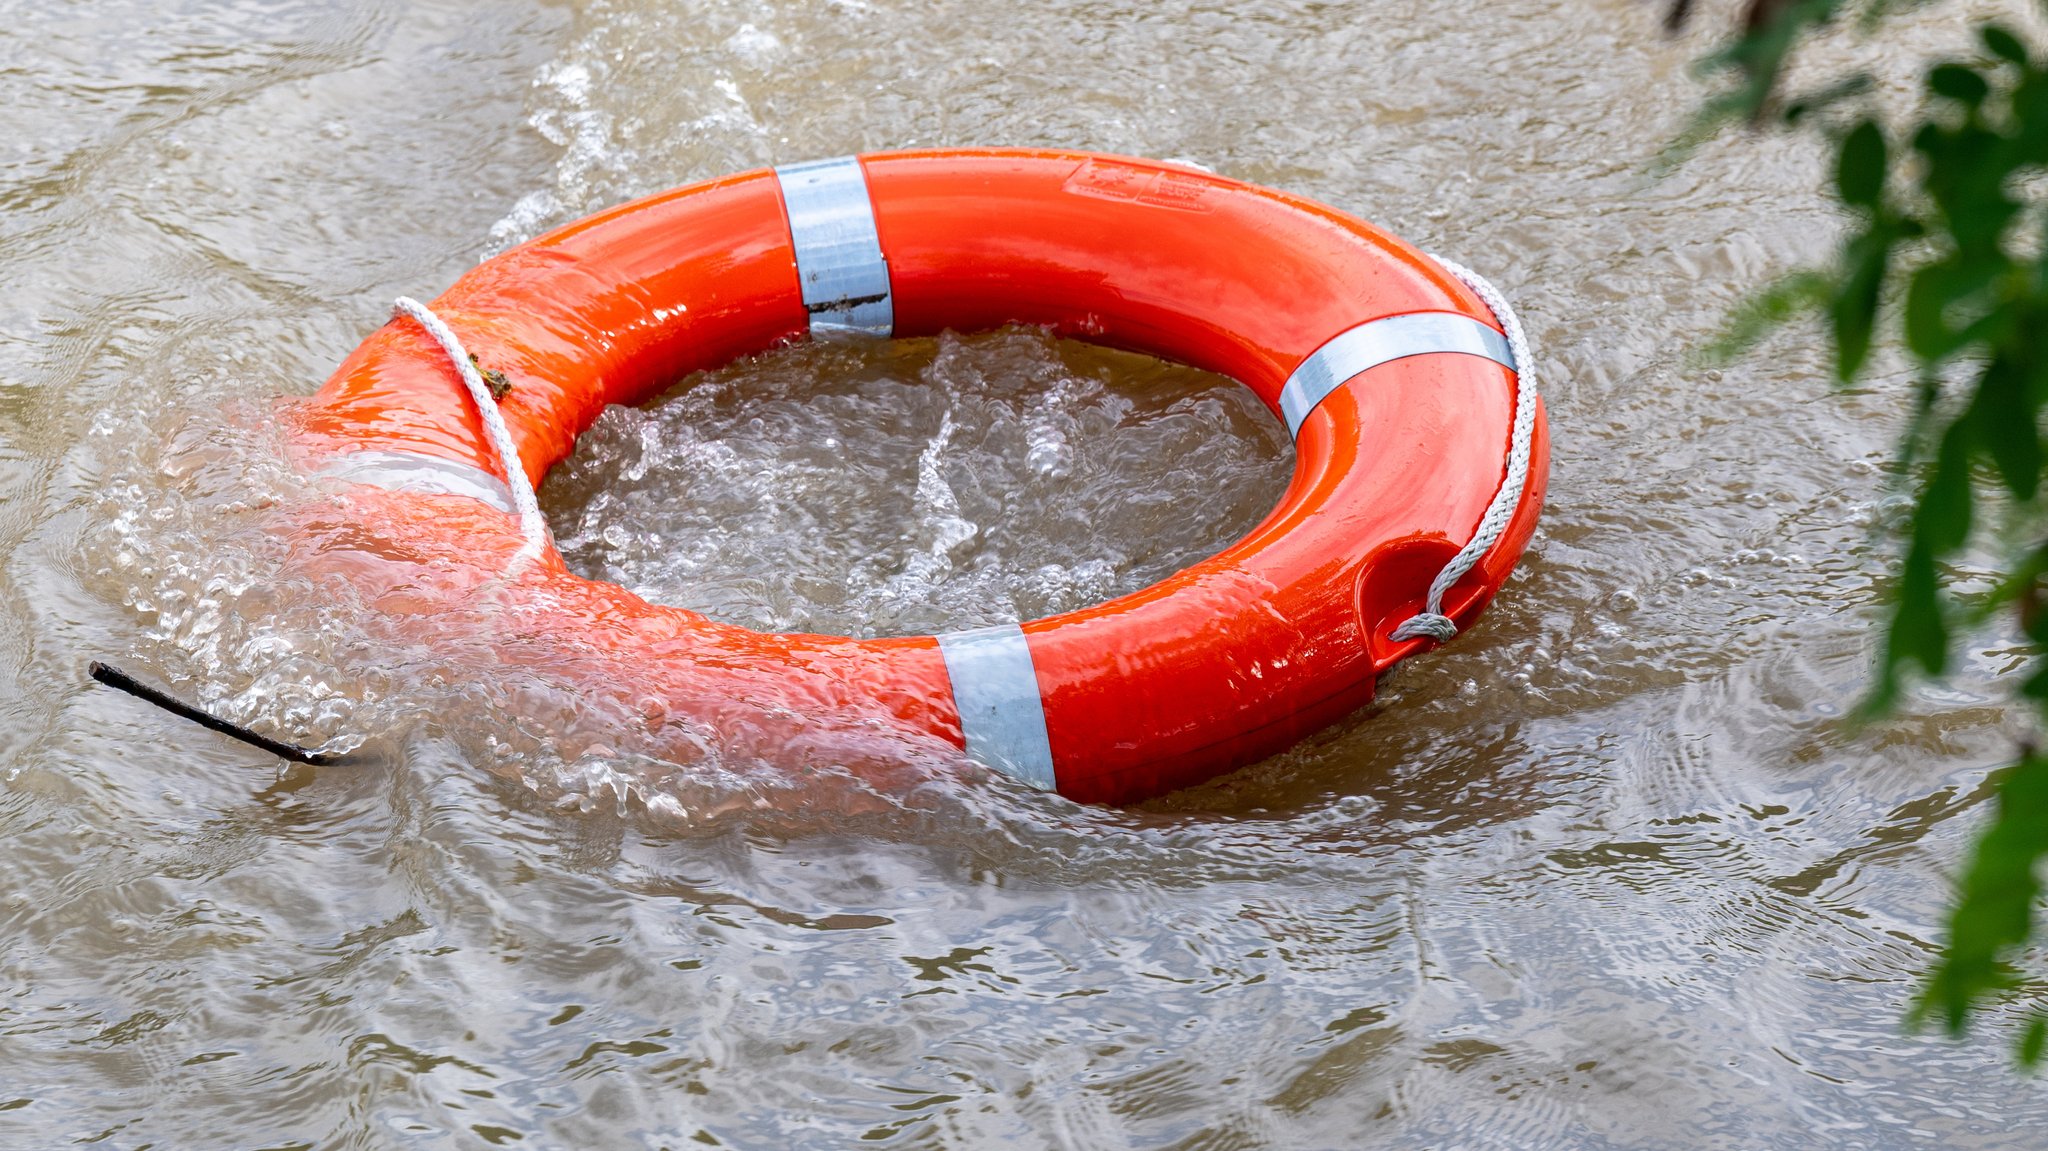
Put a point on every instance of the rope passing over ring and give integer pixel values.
(1431, 621)
(532, 525)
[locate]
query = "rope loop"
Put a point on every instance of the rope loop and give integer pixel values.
(1431, 622)
(533, 527)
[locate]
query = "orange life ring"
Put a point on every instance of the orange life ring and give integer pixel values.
(1392, 374)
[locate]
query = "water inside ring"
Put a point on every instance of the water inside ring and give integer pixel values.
(904, 487)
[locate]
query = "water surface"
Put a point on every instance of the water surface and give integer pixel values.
(1611, 871)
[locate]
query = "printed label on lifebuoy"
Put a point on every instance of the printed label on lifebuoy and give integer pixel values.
(1110, 181)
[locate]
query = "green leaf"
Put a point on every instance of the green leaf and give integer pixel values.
(2033, 1040)
(1821, 99)
(1759, 55)
(1758, 314)
(1919, 626)
(1928, 296)
(1942, 521)
(1949, 300)
(1996, 909)
(2005, 425)
(1865, 261)
(1958, 82)
(1859, 172)
(2000, 42)
(1918, 633)
(1967, 173)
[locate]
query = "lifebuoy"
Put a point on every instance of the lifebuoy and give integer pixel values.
(1394, 377)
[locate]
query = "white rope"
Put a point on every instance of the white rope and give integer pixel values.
(1431, 621)
(532, 525)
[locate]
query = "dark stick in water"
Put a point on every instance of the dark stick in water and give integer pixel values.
(115, 677)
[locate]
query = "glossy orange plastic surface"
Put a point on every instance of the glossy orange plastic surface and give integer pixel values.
(1234, 658)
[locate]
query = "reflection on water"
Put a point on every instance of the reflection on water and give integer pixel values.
(1611, 871)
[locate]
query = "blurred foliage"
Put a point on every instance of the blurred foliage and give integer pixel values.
(1945, 257)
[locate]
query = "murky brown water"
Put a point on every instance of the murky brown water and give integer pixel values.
(1610, 872)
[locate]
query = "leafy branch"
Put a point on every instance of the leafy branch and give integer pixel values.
(1947, 256)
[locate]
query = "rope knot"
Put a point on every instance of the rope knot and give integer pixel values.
(1428, 623)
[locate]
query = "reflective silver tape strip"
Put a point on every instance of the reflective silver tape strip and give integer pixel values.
(839, 258)
(408, 472)
(1371, 344)
(996, 690)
